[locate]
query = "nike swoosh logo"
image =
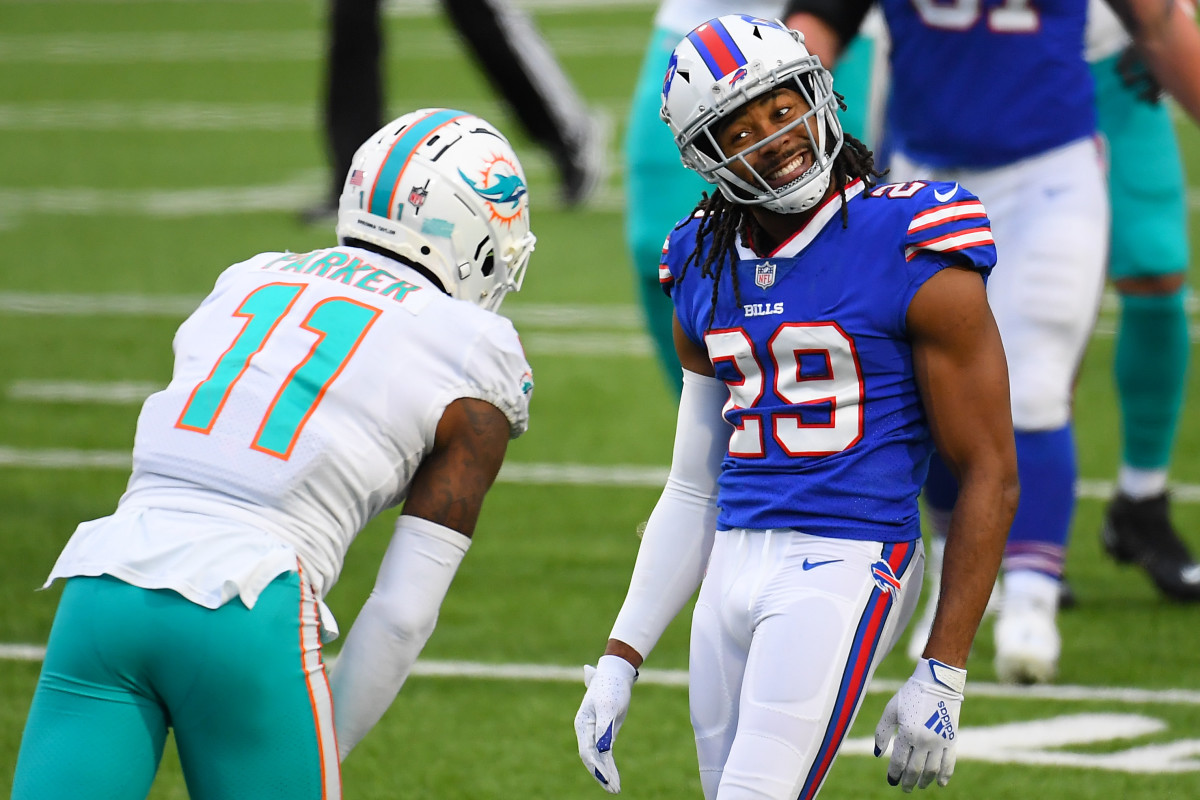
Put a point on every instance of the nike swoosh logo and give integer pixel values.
(941, 198)
(809, 564)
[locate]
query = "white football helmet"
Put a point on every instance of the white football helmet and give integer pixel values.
(445, 190)
(728, 61)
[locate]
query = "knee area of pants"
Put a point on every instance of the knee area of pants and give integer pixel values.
(1035, 410)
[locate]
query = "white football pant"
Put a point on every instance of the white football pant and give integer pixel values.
(786, 634)
(1050, 219)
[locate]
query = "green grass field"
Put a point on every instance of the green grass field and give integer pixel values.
(144, 146)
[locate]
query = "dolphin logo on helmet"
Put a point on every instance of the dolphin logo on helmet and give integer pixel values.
(479, 248)
(507, 189)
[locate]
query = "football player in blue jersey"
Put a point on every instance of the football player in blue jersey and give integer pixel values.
(971, 85)
(658, 190)
(831, 332)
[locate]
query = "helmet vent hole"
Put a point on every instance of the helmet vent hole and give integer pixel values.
(425, 250)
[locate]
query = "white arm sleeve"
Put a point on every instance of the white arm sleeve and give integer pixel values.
(393, 626)
(679, 534)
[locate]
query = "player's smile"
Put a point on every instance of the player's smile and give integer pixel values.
(789, 170)
(780, 161)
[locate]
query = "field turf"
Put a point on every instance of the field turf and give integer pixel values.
(144, 146)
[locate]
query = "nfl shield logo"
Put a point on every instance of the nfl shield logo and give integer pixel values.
(417, 195)
(764, 275)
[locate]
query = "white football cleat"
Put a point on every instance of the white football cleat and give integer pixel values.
(1027, 643)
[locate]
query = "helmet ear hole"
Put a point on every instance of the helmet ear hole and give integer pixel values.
(489, 265)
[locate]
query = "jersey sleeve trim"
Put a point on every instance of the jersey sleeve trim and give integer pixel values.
(952, 242)
(966, 209)
(665, 278)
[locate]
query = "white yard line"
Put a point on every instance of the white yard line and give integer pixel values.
(663, 677)
(549, 673)
(286, 196)
(48, 304)
(637, 476)
(105, 393)
(107, 115)
(542, 315)
(82, 201)
(277, 47)
(149, 116)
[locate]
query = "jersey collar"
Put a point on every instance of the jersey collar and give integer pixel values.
(793, 246)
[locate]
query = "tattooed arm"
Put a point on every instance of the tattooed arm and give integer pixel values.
(467, 452)
(430, 541)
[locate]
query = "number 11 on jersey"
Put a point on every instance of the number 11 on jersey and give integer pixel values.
(339, 324)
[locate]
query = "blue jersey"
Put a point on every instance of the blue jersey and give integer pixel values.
(830, 436)
(981, 83)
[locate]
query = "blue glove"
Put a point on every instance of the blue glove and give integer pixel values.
(605, 704)
(923, 716)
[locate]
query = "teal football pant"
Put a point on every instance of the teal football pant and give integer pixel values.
(1149, 239)
(244, 690)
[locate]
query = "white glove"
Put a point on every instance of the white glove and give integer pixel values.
(926, 712)
(605, 704)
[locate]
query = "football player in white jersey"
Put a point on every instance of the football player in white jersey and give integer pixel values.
(311, 391)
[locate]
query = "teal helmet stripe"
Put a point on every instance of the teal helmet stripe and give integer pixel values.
(384, 189)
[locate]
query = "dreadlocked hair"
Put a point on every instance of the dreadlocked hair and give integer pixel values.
(725, 220)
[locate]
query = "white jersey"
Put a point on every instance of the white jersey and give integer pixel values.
(306, 391)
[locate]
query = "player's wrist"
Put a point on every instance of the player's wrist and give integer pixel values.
(616, 666)
(943, 677)
(616, 647)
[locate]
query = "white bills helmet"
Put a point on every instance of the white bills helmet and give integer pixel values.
(445, 190)
(728, 61)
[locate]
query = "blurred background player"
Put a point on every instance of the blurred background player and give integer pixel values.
(311, 391)
(1041, 177)
(817, 317)
(659, 191)
(1147, 264)
(513, 56)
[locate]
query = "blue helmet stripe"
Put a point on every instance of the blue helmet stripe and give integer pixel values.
(397, 158)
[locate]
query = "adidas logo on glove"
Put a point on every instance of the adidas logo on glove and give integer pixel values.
(940, 722)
